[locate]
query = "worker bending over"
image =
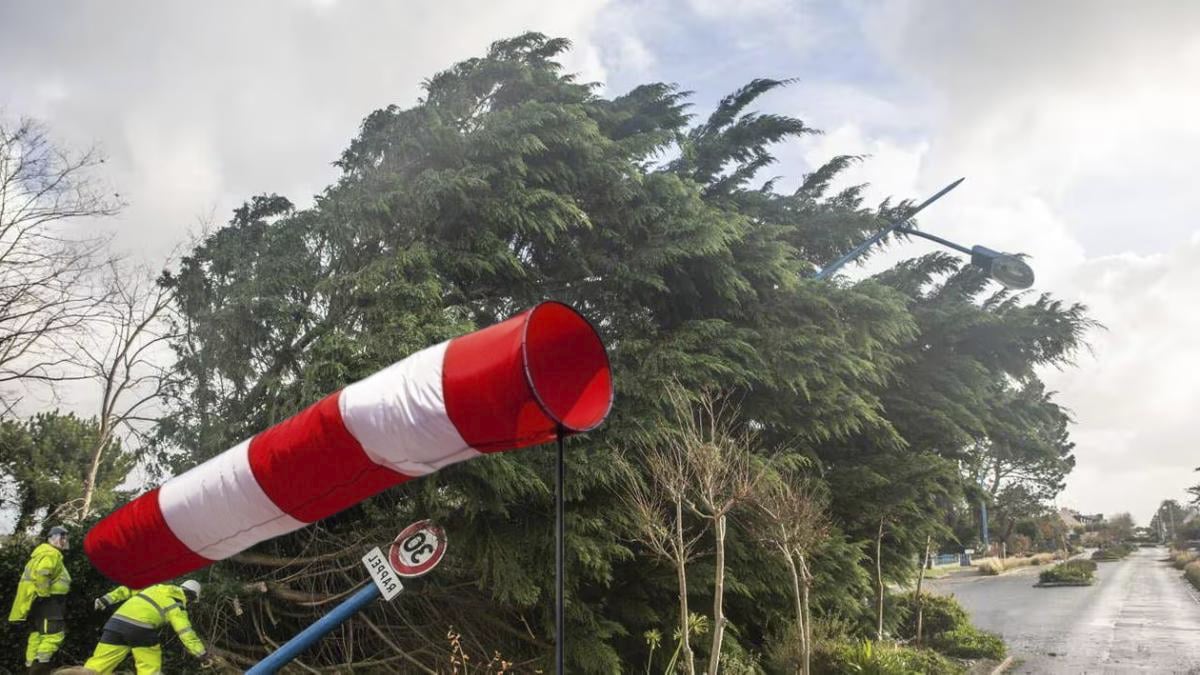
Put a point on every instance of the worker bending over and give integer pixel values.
(136, 624)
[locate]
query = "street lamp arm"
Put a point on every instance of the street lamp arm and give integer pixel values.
(874, 239)
(925, 235)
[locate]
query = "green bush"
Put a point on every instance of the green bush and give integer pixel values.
(1112, 552)
(941, 614)
(1072, 572)
(880, 658)
(968, 642)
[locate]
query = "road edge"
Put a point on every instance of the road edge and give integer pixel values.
(1003, 666)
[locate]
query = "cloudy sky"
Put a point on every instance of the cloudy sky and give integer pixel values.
(1074, 123)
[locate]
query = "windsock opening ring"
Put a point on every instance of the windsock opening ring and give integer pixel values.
(567, 367)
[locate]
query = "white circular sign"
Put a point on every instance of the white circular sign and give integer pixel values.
(418, 549)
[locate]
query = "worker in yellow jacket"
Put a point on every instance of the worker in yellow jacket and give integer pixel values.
(136, 624)
(42, 600)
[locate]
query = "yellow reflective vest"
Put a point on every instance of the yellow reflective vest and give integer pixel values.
(155, 606)
(44, 575)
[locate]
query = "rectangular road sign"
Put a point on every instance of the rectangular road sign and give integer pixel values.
(382, 574)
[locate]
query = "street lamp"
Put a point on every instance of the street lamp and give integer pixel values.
(1008, 269)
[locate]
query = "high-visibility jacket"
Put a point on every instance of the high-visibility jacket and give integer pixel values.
(44, 575)
(153, 607)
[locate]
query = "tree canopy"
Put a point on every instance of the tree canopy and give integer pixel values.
(510, 182)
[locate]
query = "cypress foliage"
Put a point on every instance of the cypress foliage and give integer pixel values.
(510, 182)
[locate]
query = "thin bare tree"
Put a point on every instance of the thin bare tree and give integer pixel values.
(126, 355)
(795, 522)
(48, 288)
(656, 502)
(726, 474)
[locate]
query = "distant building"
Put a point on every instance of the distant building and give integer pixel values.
(1067, 516)
(1073, 519)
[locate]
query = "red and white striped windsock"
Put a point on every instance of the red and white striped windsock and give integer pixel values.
(501, 388)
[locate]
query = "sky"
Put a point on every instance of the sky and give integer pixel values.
(1073, 122)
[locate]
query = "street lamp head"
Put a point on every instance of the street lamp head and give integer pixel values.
(1006, 268)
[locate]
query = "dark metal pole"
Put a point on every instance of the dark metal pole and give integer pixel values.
(858, 250)
(925, 235)
(560, 553)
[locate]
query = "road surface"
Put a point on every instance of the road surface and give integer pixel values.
(1140, 616)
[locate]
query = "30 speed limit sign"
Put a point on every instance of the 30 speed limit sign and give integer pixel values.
(418, 549)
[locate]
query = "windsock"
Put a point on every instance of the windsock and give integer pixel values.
(501, 388)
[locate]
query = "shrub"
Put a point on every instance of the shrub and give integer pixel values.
(880, 658)
(941, 614)
(1021, 544)
(1181, 559)
(1112, 552)
(991, 567)
(1191, 572)
(1070, 572)
(968, 642)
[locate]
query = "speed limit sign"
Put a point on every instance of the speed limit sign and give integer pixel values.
(418, 549)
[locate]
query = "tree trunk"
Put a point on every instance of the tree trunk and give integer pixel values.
(714, 659)
(806, 641)
(89, 485)
(689, 660)
(801, 624)
(920, 598)
(879, 582)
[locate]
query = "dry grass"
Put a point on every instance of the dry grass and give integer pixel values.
(994, 566)
(1191, 572)
(1181, 559)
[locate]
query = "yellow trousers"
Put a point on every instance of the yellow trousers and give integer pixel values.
(107, 657)
(41, 646)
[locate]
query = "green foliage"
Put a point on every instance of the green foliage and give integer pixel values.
(940, 614)
(511, 182)
(946, 628)
(45, 459)
(1070, 572)
(968, 642)
(875, 658)
(1112, 552)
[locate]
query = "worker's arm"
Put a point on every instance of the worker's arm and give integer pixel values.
(43, 574)
(115, 596)
(178, 618)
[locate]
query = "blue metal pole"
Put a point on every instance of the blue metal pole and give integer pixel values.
(309, 636)
(987, 545)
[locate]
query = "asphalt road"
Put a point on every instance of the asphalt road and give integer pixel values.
(1140, 616)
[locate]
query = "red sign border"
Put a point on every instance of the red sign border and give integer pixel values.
(424, 568)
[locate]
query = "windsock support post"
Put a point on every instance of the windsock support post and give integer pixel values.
(560, 552)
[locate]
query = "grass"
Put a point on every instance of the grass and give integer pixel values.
(1072, 572)
(1191, 572)
(995, 566)
(1181, 559)
(881, 658)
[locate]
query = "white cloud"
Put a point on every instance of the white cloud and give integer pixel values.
(1074, 122)
(198, 109)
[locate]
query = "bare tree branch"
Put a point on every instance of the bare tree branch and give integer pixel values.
(48, 277)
